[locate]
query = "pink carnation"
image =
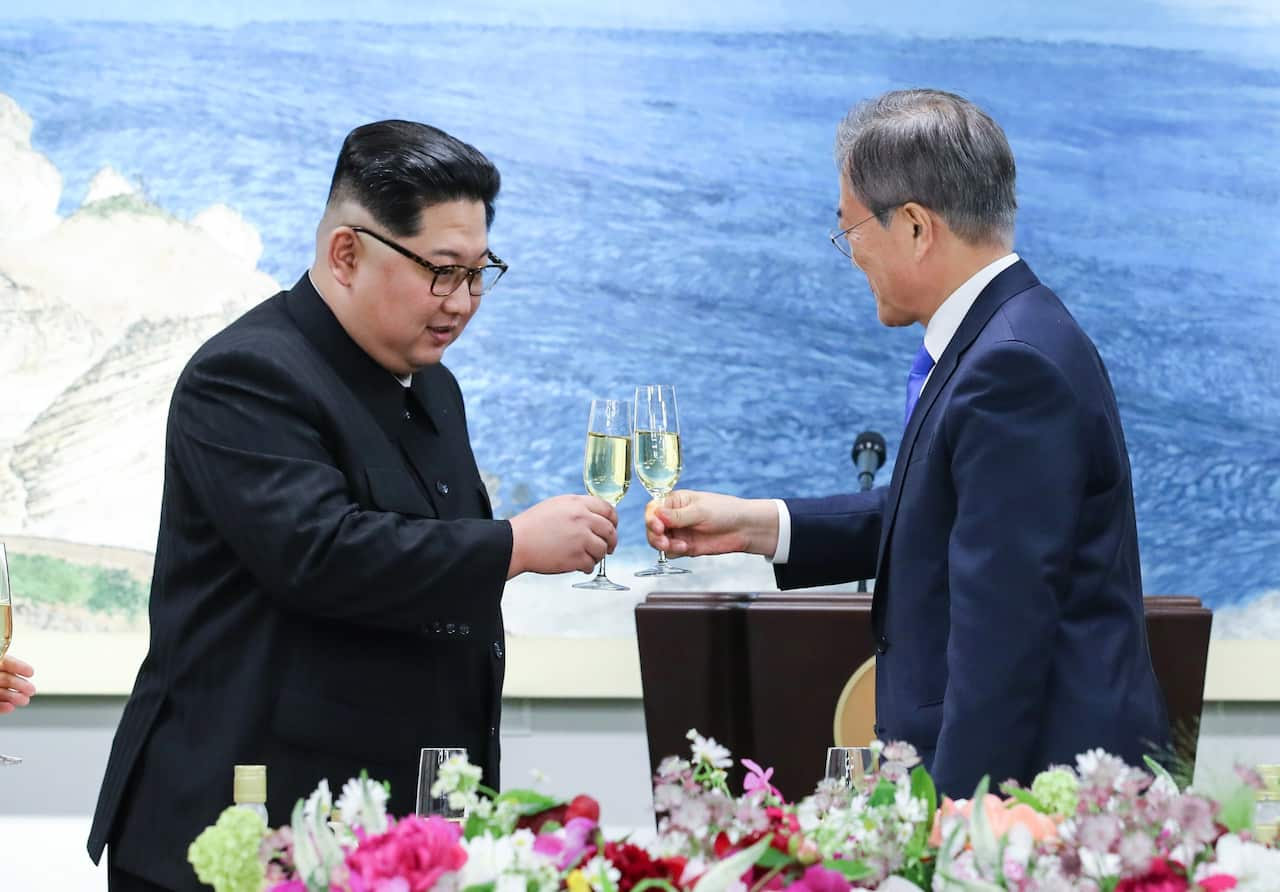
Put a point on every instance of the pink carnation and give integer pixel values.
(821, 879)
(411, 856)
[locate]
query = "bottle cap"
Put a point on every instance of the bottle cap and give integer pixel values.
(250, 784)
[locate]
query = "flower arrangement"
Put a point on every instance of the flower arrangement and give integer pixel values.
(1098, 826)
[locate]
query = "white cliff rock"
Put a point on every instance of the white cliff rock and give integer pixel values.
(108, 183)
(30, 186)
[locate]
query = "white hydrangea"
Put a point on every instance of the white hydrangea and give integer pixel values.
(363, 803)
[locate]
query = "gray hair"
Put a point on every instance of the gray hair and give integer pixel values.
(936, 149)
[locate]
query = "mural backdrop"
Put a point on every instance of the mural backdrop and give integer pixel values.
(668, 191)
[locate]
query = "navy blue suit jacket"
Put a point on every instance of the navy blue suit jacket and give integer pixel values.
(1008, 615)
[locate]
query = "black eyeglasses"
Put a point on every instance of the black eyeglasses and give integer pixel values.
(446, 279)
(849, 234)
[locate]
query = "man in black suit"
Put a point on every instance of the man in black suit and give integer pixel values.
(328, 576)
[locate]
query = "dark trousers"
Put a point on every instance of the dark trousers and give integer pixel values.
(120, 881)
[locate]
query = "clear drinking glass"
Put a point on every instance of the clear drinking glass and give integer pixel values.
(606, 467)
(6, 625)
(428, 773)
(850, 765)
(659, 461)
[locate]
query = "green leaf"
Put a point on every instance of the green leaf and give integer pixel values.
(724, 874)
(1159, 771)
(646, 884)
(479, 887)
(922, 788)
(772, 858)
(1026, 797)
(1238, 808)
(986, 848)
(852, 870)
(883, 794)
(529, 802)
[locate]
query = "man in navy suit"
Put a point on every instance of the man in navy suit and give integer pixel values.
(1008, 616)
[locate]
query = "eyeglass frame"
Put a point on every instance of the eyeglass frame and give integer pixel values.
(437, 270)
(848, 233)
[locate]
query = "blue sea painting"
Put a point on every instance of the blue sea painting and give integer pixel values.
(668, 190)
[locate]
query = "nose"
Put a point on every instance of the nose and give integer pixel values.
(459, 301)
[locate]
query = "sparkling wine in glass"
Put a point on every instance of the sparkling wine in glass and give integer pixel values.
(606, 467)
(658, 457)
(429, 764)
(6, 625)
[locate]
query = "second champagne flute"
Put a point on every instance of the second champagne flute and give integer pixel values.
(658, 457)
(606, 467)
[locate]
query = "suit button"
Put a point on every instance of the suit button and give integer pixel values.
(497, 649)
(408, 416)
(464, 629)
(442, 487)
(882, 644)
(451, 629)
(493, 732)
(436, 627)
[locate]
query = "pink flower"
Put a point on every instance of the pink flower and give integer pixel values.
(290, 886)
(757, 779)
(568, 844)
(1002, 815)
(410, 856)
(820, 879)
(1160, 877)
(1218, 883)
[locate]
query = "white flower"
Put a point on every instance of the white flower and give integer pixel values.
(1255, 867)
(705, 749)
(319, 802)
(601, 874)
(693, 815)
(363, 803)
(486, 859)
(511, 882)
(456, 773)
(1099, 865)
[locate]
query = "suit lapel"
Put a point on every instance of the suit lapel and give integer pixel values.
(1014, 280)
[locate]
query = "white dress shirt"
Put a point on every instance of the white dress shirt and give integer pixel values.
(938, 333)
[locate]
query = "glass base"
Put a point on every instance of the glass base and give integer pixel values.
(602, 583)
(663, 570)
(10, 760)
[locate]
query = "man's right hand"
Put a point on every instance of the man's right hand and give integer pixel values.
(15, 689)
(691, 523)
(561, 534)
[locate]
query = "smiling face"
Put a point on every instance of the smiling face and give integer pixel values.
(389, 308)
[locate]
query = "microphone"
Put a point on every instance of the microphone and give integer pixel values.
(868, 456)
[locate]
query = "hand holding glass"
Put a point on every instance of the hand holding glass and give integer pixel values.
(659, 461)
(606, 467)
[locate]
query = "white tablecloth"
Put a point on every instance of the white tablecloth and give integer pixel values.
(44, 854)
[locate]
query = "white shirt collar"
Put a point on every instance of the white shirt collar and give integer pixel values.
(946, 320)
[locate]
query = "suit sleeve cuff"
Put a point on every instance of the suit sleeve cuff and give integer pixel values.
(783, 552)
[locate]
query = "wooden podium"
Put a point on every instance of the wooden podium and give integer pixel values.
(761, 673)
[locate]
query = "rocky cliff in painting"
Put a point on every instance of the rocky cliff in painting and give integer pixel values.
(99, 311)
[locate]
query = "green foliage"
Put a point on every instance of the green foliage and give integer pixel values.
(42, 579)
(852, 870)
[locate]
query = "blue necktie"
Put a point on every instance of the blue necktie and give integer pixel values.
(920, 368)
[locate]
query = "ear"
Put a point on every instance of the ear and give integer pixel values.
(923, 225)
(343, 255)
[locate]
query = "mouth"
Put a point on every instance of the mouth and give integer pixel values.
(441, 334)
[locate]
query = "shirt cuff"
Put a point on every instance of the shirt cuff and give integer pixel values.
(783, 552)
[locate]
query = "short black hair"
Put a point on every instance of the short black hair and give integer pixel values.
(395, 169)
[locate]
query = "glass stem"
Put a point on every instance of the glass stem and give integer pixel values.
(600, 574)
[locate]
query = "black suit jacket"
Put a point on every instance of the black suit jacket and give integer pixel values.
(327, 587)
(1008, 616)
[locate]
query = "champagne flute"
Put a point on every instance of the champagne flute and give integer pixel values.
(606, 467)
(6, 625)
(429, 764)
(658, 457)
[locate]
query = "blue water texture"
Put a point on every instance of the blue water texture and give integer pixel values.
(666, 203)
